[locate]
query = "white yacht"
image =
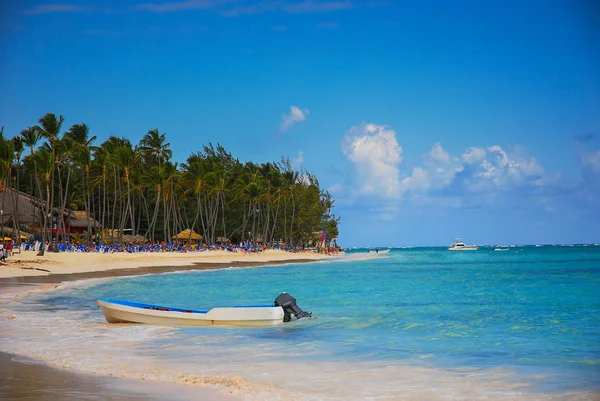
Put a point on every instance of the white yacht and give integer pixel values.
(461, 246)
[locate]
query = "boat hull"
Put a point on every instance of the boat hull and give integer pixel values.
(162, 316)
(463, 248)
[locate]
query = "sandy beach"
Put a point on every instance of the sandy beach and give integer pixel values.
(21, 378)
(28, 264)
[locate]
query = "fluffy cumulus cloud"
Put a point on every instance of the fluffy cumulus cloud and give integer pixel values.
(375, 153)
(493, 168)
(296, 115)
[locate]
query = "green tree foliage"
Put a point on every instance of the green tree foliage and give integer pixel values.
(141, 189)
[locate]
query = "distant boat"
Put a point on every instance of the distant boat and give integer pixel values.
(378, 251)
(500, 249)
(461, 246)
(118, 311)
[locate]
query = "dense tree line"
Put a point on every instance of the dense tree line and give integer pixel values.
(139, 187)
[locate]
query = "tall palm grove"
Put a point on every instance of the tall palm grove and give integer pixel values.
(139, 189)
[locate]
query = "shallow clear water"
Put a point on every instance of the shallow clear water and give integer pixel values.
(420, 323)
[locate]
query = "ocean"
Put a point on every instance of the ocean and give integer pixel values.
(415, 324)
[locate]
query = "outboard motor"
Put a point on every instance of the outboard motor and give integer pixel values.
(288, 303)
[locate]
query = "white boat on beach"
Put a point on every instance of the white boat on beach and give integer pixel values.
(118, 311)
(461, 246)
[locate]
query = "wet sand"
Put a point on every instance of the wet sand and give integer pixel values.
(25, 379)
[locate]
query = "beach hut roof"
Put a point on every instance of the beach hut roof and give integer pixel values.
(17, 202)
(28, 209)
(187, 235)
(78, 218)
(11, 232)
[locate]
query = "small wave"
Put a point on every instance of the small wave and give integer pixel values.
(6, 314)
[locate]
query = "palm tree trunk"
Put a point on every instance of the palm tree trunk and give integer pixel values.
(130, 207)
(292, 222)
(223, 214)
(64, 203)
(155, 216)
(44, 213)
(114, 213)
(285, 202)
(275, 218)
(103, 197)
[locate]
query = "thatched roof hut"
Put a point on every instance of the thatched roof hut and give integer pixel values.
(27, 209)
(17, 204)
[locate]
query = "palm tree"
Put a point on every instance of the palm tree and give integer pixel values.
(126, 158)
(154, 178)
(64, 154)
(290, 178)
(79, 134)
(50, 126)
(194, 175)
(155, 147)
(83, 160)
(31, 136)
(45, 163)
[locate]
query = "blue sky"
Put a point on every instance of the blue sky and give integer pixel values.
(478, 119)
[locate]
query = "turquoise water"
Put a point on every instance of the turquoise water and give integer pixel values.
(525, 320)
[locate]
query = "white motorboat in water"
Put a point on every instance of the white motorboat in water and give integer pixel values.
(118, 311)
(461, 246)
(378, 251)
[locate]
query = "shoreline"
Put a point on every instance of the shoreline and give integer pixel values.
(22, 377)
(89, 265)
(58, 277)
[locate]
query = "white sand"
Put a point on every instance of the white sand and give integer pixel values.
(27, 264)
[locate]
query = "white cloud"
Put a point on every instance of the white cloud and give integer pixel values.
(296, 162)
(438, 173)
(296, 115)
(473, 155)
(493, 168)
(376, 154)
(442, 166)
(419, 181)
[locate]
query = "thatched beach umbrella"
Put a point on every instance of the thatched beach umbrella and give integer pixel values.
(187, 235)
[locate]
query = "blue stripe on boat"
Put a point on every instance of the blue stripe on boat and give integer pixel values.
(151, 306)
(168, 308)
